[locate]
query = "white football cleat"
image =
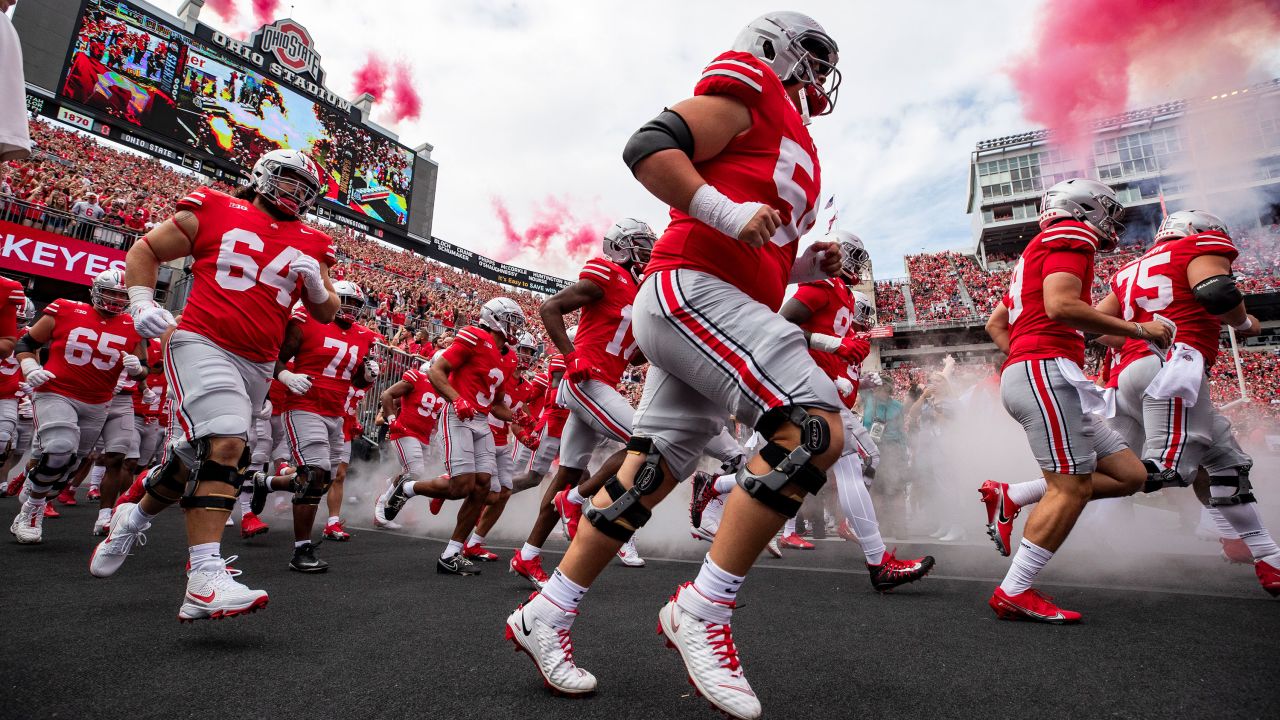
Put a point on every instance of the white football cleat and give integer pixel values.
(122, 534)
(774, 547)
(28, 526)
(698, 628)
(379, 512)
(215, 594)
(540, 629)
(628, 555)
(100, 526)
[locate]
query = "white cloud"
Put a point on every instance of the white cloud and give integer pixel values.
(529, 100)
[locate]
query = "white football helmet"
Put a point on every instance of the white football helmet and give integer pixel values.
(108, 293)
(26, 313)
(857, 262)
(1088, 201)
(289, 179)
(503, 315)
(350, 298)
(630, 243)
(526, 350)
(1182, 223)
(798, 49)
(864, 311)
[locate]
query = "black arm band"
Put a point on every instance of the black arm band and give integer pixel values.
(1218, 294)
(667, 131)
(27, 344)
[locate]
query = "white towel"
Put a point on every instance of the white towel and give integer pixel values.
(1180, 377)
(1109, 396)
(1091, 396)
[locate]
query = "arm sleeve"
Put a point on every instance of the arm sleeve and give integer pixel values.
(811, 296)
(1068, 261)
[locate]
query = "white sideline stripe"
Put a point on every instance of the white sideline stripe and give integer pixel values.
(843, 571)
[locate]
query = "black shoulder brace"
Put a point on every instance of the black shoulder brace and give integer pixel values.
(667, 131)
(27, 344)
(1218, 294)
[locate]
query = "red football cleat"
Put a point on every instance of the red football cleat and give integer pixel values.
(570, 513)
(531, 570)
(1030, 605)
(1000, 513)
(704, 491)
(50, 511)
(95, 494)
(892, 572)
(15, 484)
(336, 532)
(846, 532)
(1236, 550)
(67, 496)
(135, 492)
(478, 552)
(1269, 576)
(436, 504)
(795, 542)
(250, 526)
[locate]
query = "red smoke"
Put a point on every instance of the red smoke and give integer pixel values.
(406, 104)
(264, 11)
(226, 9)
(555, 233)
(1089, 55)
(372, 77)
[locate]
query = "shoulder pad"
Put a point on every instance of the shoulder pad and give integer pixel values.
(737, 74)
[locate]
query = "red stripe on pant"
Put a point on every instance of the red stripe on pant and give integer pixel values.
(293, 439)
(1057, 433)
(171, 374)
(745, 376)
(1177, 434)
(447, 445)
(598, 413)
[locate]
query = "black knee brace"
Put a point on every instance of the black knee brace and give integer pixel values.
(1159, 478)
(165, 475)
(210, 471)
(1239, 481)
(311, 485)
(626, 514)
(788, 466)
(45, 477)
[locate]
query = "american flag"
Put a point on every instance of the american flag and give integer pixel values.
(830, 201)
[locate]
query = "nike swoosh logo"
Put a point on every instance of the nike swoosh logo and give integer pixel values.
(203, 598)
(523, 627)
(1002, 516)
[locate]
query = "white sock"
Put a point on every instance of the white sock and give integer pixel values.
(206, 556)
(245, 500)
(856, 503)
(475, 539)
(140, 515)
(725, 484)
(104, 515)
(563, 592)
(1244, 519)
(574, 496)
(300, 543)
(529, 552)
(453, 548)
(716, 583)
(408, 489)
(1027, 564)
(34, 504)
(95, 475)
(1222, 524)
(789, 528)
(333, 520)
(1028, 493)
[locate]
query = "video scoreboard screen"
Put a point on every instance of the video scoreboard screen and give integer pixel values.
(234, 101)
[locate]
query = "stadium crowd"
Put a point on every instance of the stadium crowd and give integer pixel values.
(935, 287)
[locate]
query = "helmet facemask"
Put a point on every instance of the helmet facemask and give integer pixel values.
(816, 71)
(108, 293)
(289, 191)
(856, 263)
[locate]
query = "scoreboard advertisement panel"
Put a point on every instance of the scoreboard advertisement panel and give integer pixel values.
(233, 101)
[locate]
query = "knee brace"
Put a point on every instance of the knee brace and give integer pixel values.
(51, 472)
(165, 475)
(312, 484)
(1159, 478)
(788, 466)
(210, 471)
(625, 514)
(1239, 481)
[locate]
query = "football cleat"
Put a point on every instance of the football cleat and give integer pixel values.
(845, 531)
(530, 570)
(795, 542)
(28, 526)
(251, 525)
(305, 560)
(478, 552)
(336, 532)
(51, 512)
(392, 500)
(14, 485)
(704, 491)
(216, 594)
(540, 629)
(122, 535)
(95, 494)
(701, 533)
(892, 572)
(1001, 512)
(774, 547)
(67, 496)
(698, 628)
(628, 555)
(1031, 605)
(456, 565)
(380, 512)
(1269, 576)
(436, 505)
(1236, 550)
(100, 527)
(570, 513)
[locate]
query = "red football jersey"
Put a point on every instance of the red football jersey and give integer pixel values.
(329, 355)
(536, 398)
(775, 163)
(479, 368)
(10, 377)
(419, 410)
(604, 338)
(1067, 246)
(243, 289)
(1156, 284)
(155, 381)
(554, 416)
(11, 299)
(501, 429)
(351, 418)
(276, 392)
(831, 303)
(87, 351)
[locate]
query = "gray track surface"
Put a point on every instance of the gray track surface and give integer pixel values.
(381, 635)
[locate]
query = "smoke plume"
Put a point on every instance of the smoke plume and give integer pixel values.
(226, 9)
(371, 77)
(386, 82)
(1093, 58)
(406, 104)
(264, 11)
(556, 233)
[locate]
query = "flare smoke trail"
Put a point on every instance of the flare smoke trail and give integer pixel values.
(371, 77)
(406, 104)
(555, 233)
(226, 9)
(264, 11)
(384, 81)
(1091, 58)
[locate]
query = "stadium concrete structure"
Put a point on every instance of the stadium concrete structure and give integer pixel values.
(1219, 152)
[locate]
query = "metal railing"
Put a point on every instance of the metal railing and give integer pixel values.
(63, 222)
(393, 364)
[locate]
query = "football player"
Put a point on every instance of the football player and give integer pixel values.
(351, 428)
(471, 376)
(538, 453)
(254, 259)
(411, 428)
(16, 312)
(740, 171)
(1040, 326)
(89, 346)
